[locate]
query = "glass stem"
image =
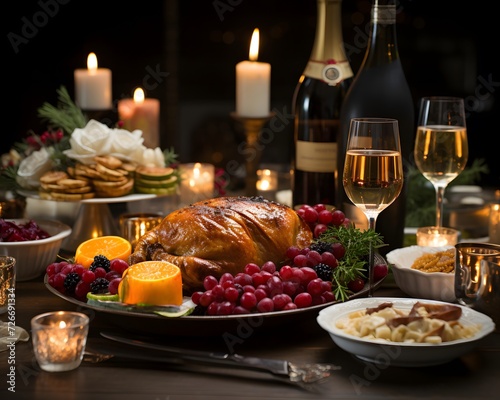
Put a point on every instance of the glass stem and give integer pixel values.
(371, 259)
(439, 205)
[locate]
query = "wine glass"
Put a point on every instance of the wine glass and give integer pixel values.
(373, 170)
(441, 148)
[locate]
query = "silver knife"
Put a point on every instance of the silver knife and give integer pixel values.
(295, 373)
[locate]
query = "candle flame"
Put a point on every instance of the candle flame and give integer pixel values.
(139, 95)
(62, 325)
(92, 62)
(197, 170)
(254, 46)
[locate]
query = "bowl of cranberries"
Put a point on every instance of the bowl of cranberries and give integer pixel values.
(33, 243)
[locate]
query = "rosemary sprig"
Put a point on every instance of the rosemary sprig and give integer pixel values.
(66, 116)
(357, 245)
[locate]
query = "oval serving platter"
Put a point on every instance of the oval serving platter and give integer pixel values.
(197, 325)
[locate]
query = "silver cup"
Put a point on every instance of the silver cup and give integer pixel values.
(477, 278)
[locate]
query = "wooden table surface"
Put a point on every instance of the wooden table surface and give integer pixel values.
(473, 376)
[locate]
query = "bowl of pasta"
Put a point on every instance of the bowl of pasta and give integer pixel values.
(404, 332)
(425, 272)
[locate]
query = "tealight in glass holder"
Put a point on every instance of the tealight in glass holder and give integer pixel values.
(435, 236)
(59, 339)
(267, 183)
(197, 182)
(134, 225)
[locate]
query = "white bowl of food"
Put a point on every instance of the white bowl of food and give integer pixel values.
(32, 256)
(425, 281)
(374, 338)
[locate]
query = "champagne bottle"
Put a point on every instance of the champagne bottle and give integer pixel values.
(380, 89)
(316, 106)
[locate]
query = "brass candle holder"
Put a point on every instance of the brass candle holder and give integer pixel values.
(252, 127)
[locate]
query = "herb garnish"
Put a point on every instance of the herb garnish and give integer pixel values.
(357, 245)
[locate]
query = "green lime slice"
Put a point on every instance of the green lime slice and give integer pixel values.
(167, 183)
(154, 173)
(102, 297)
(157, 191)
(181, 313)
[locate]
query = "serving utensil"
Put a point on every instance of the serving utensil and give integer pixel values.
(299, 373)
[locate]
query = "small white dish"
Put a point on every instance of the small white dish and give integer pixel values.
(33, 256)
(396, 353)
(423, 285)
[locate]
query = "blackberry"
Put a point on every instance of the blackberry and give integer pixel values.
(70, 282)
(100, 261)
(321, 247)
(100, 285)
(324, 272)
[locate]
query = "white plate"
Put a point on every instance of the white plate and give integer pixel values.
(400, 354)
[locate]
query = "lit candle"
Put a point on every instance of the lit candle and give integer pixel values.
(494, 224)
(433, 236)
(197, 182)
(93, 86)
(144, 114)
(253, 84)
(267, 180)
(267, 183)
(59, 339)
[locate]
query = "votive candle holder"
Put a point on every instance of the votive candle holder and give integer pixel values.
(59, 339)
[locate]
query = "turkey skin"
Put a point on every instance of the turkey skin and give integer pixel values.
(222, 234)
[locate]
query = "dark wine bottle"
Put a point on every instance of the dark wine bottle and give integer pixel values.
(380, 89)
(317, 103)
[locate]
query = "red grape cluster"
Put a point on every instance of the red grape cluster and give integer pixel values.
(318, 217)
(75, 280)
(262, 289)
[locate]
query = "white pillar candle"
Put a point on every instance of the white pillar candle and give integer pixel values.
(144, 114)
(93, 86)
(253, 84)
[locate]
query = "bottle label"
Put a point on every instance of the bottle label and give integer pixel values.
(330, 71)
(384, 14)
(316, 156)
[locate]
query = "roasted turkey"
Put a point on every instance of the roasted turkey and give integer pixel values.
(222, 234)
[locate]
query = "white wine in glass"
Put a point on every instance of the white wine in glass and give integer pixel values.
(373, 170)
(441, 148)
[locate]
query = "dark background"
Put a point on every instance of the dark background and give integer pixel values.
(446, 49)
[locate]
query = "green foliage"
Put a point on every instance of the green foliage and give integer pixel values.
(66, 116)
(170, 156)
(421, 198)
(357, 244)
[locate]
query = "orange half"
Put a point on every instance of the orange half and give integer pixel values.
(108, 246)
(151, 283)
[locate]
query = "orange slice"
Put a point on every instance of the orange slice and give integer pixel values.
(151, 283)
(108, 246)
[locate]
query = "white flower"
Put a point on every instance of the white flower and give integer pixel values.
(124, 142)
(91, 141)
(150, 157)
(97, 139)
(33, 167)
